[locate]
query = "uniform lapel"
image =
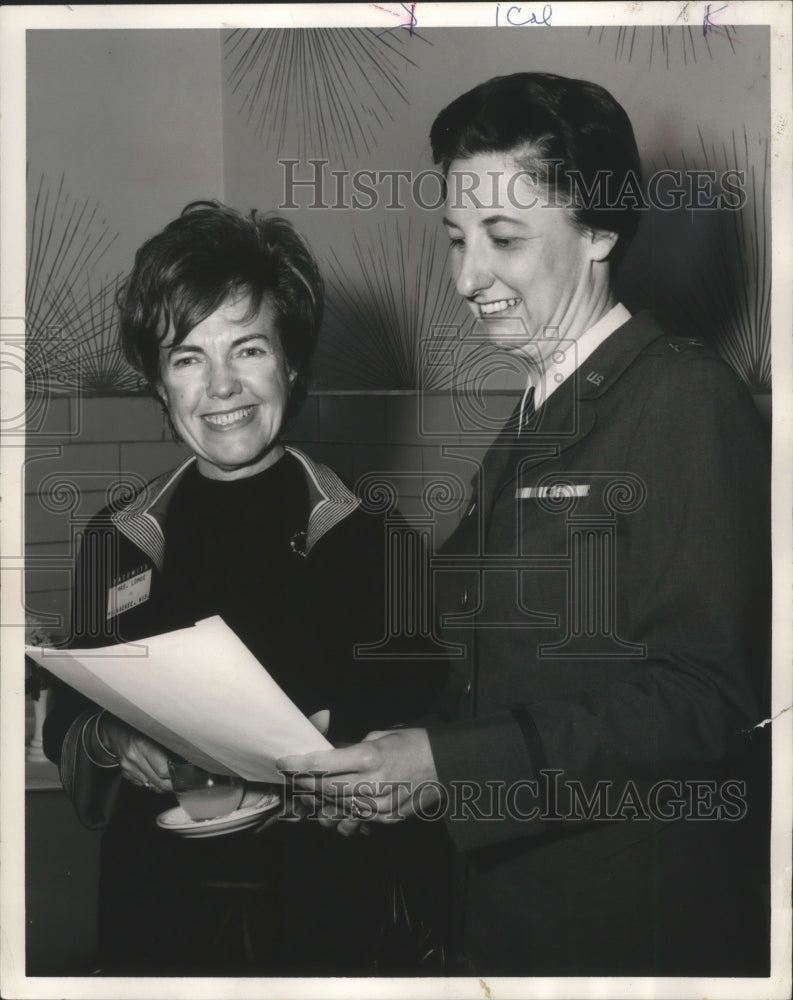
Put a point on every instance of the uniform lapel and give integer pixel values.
(496, 460)
(559, 423)
(570, 414)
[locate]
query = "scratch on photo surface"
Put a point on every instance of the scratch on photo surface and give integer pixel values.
(765, 722)
(485, 989)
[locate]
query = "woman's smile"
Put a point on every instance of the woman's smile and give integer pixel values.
(496, 306)
(230, 419)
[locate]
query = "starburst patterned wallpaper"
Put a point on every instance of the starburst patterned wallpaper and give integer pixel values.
(317, 90)
(358, 100)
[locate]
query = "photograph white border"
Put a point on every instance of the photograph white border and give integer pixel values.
(14, 21)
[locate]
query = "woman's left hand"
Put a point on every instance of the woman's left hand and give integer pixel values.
(143, 762)
(383, 779)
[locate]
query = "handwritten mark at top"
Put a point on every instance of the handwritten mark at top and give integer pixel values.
(707, 20)
(408, 9)
(520, 17)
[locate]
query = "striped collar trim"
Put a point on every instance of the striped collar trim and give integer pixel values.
(331, 501)
(142, 520)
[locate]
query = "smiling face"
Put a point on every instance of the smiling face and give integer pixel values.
(520, 262)
(226, 386)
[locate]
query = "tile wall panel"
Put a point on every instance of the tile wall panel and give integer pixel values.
(93, 443)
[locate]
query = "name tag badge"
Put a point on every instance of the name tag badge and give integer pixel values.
(558, 491)
(128, 593)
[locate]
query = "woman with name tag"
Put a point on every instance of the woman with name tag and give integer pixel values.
(597, 763)
(221, 315)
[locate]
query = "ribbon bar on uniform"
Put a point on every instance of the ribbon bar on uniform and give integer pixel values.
(558, 490)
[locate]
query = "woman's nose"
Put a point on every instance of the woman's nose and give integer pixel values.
(223, 382)
(474, 275)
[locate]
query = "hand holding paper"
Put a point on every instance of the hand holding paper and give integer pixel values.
(199, 692)
(142, 761)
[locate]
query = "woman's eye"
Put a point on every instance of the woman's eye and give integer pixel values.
(456, 242)
(183, 362)
(252, 352)
(503, 242)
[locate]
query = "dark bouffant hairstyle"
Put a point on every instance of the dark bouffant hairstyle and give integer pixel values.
(554, 126)
(204, 257)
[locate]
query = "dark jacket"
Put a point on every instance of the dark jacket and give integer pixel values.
(156, 912)
(610, 589)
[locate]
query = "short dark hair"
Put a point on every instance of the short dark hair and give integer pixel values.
(207, 255)
(550, 118)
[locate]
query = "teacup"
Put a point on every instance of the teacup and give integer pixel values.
(203, 795)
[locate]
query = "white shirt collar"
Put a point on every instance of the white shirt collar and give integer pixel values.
(572, 354)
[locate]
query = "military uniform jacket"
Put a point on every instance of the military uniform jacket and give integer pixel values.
(609, 592)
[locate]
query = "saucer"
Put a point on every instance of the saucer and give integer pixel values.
(255, 805)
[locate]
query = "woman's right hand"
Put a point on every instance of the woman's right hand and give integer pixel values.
(142, 761)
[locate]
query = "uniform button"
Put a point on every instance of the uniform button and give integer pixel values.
(464, 598)
(467, 689)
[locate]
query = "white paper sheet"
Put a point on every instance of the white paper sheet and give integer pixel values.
(199, 692)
